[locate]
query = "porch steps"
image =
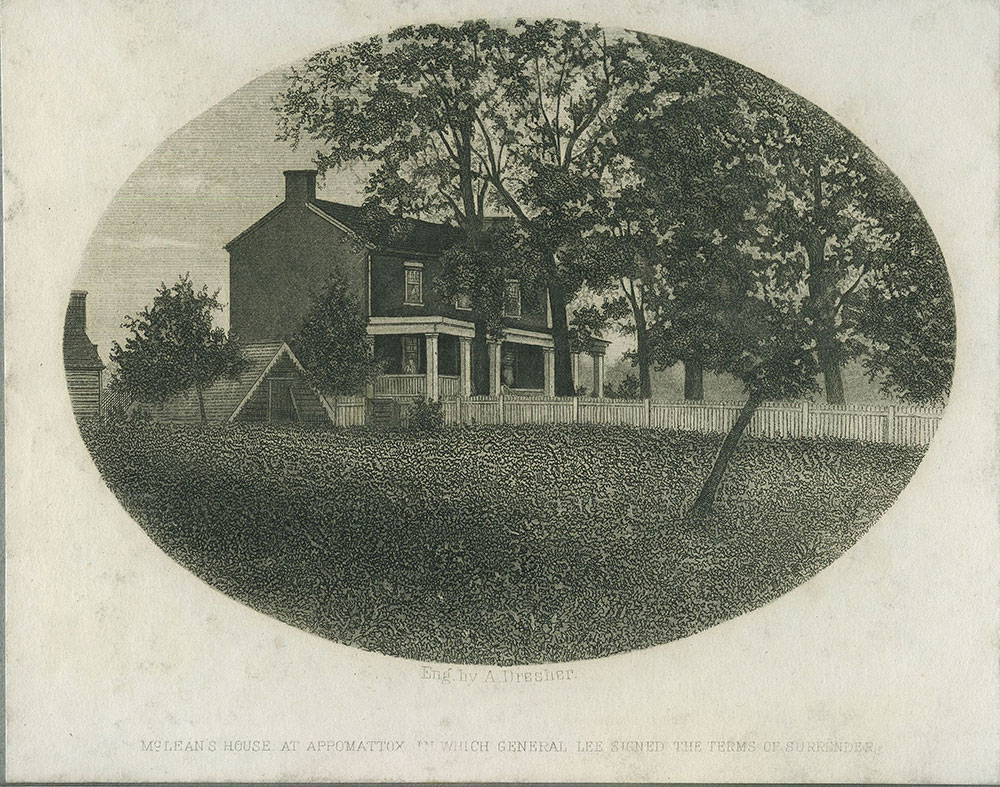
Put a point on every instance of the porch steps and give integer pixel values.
(383, 413)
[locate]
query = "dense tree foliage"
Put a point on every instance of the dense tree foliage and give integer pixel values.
(332, 342)
(826, 225)
(907, 315)
(708, 208)
(570, 94)
(174, 346)
(456, 120)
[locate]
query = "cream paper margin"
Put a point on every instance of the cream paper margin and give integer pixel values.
(110, 643)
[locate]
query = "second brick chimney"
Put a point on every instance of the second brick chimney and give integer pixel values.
(300, 185)
(76, 314)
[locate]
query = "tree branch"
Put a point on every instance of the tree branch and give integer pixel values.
(545, 117)
(559, 89)
(865, 268)
(453, 154)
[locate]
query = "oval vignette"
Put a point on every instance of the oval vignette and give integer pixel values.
(509, 343)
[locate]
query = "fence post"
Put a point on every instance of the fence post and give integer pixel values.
(646, 417)
(890, 424)
(805, 418)
(576, 409)
(500, 400)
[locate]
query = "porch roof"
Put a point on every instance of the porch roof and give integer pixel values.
(523, 336)
(598, 346)
(389, 326)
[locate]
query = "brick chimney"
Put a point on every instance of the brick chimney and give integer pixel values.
(300, 185)
(76, 312)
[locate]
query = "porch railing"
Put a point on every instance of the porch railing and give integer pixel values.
(414, 385)
(401, 385)
(449, 385)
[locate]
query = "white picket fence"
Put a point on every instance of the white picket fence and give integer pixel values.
(875, 423)
(902, 424)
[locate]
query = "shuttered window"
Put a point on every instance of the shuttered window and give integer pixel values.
(411, 355)
(512, 299)
(414, 284)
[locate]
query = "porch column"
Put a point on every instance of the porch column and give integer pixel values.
(549, 354)
(575, 360)
(465, 366)
(493, 351)
(370, 387)
(598, 374)
(432, 366)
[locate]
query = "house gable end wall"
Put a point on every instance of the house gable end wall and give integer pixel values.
(309, 406)
(278, 265)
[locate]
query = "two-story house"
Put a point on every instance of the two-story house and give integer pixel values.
(429, 346)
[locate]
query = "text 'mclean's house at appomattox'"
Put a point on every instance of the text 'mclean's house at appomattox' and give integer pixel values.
(429, 346)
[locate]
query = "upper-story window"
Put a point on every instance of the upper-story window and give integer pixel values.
(413, 283)
(463, 301)
(512, 299)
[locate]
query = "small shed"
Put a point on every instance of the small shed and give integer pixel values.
(83, 365)
(272, 389)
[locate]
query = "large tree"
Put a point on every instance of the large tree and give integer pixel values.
(825, 223)
(620, 258)
(174, 346)
(907, 314)
(405, 105)
(689, 184)
(831, 223)
(555, 158)
(456, 120)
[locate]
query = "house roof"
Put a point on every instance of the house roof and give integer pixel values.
(226, 394)
(397, 234)
(79, 352)
(225, 397)
(424, 237)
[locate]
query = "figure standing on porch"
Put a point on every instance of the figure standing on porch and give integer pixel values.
(507, 369)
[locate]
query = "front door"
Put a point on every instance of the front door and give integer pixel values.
(280, 401)
(411, 355)
(508, 366)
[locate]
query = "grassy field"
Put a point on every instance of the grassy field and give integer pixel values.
(495, 545)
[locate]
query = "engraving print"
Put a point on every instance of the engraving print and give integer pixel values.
(509, 342)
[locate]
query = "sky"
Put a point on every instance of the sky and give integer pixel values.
(198, 190)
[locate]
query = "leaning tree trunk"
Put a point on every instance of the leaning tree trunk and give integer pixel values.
(694, 380)
(706, 498)
(560, 336)
(201, 403)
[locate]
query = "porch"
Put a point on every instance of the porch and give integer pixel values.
(443, 358)
(428, 357)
